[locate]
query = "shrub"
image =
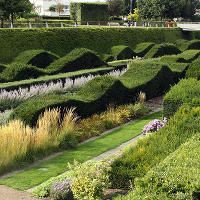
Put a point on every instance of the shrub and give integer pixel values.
(153, 78)
(91, 180)
(176, 177)
(19, 71)
(122, 52)
(187, 91)
(62, 190)
(86, 12)
(161, 50)
(142, 48)
(154, 125)
(62, 41)
(39, 58)
(194, 70)
(152, 149)
(76, 60)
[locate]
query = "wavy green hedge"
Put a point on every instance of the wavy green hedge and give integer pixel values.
(161, 50)
(122, 52)
(186, 45)
(77, 59)
(187, 91)
(176, 177)
(142, 48)
(39, 58)
(153, 78)
(155, 147)
(194, 70)
(62, 40)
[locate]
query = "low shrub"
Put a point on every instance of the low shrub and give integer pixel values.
(187, 91)
(150, 77)
(91, 179)
(176, 177)
(77, 59)
(39, 58)
(194, 70)
(153, 148)
(19, 71)
(2, 67)
(122, 52)
(161, 50)
(142, 48)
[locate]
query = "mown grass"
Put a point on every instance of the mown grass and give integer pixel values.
(57, 165)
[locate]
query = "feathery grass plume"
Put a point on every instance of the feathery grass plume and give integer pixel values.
(142, 97)
(16, 140)
(47, 129)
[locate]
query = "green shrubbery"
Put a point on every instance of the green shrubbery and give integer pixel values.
(194, 70)
(62, 41)
(19, 71)
(39, 58)
(142, 48)
(161, 50)
(186, 45)
(122, 52)
(187, 91)
(83, 12)
(155, 147)
(76, 60)
(150, 77)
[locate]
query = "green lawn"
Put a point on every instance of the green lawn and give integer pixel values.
(55, 166)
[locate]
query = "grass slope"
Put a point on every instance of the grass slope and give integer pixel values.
(34, 176)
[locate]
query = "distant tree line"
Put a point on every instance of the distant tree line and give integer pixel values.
(155, 9)
(11, 9)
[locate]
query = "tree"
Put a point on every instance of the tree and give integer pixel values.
(11, 9)
(190, 7)
(126, 6)
(115, 7)
(135, 16)
(59, 8)
(52, 8)
(160, 9)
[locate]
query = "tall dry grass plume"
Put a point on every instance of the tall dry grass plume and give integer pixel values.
(142, 98)
(19, 142)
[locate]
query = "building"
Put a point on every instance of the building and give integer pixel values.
(42, 6)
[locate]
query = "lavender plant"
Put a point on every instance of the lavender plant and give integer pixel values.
(17, 96)
(61, 190)
(154, 126)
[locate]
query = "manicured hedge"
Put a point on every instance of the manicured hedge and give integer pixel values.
(194, 70)
(152, 149)
(83, 12)
(142, 48)
(54, 78)
(2, 67)
(161, 50)
(107, 57)
(147, 76)
(176, 177)
(186, 45)
(62, 40)
(77, 59)
(20, 71)
(187, 91)
(39, 58)
(122, 52)
(185, 57)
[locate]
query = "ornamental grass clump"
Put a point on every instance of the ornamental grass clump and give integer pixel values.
(154, 126)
